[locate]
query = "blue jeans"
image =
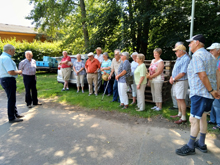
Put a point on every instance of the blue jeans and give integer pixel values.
(115, 91)
(215, 112)
(9, 85)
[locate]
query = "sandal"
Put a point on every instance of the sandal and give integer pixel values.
(216, 127)
(125, 107)
(121, 105)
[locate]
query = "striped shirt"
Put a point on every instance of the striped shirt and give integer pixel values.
(181, 67)
(202, 61)
(28, 67)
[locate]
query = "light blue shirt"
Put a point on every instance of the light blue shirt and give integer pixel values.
(106, 64)
(202, 61)
(134, 65)
(181, 67)
(7, 64)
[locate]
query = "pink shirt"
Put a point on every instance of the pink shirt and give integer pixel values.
(65, 59)
(153, 69)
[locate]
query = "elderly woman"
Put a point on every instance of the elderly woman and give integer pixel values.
(134, 65)
(65, 69)
(140, 81)
(106, 70)
(123, 72)
(156, 78)
(79, 72)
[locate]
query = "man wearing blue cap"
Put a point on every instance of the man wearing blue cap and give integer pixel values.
(201, 71)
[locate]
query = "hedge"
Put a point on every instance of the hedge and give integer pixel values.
(39, 49)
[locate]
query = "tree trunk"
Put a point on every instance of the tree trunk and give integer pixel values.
(84, 26)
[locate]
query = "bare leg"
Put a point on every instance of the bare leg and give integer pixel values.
(194, 126)
(134, 99)
(203, 123)
(160, 105)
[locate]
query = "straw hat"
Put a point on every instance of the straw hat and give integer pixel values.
(105, 76)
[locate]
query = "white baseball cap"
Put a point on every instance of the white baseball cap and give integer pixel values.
(214, 46)
(90, 54)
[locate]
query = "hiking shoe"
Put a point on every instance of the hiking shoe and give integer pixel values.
(201, 148)
(185, 150)
(154, 107)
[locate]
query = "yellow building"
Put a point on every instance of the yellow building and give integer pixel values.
(21, 33)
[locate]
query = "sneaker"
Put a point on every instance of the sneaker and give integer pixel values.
(82, 91)
(15, 120)
(133, 103)
(29, 106)
(67, 89)
(109, 95)
(139, 110)
(77, 92)
(96, 94)
(185, 150)
(154, 107)
(157, 109)
(63, 89)
(90, 94)
(201, 148)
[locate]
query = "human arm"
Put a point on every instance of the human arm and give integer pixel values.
(141, 80)
(159, 70)
(14, 72)
(204, 78)
(120, 75)
(218, 81)
(179, 76)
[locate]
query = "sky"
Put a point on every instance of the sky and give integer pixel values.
(15, 11)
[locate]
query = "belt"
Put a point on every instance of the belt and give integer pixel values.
(92, 73)
(7, 78)
(180, 80)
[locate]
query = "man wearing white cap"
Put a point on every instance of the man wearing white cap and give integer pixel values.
(179, 81)
(203, 89)
(92, 66)
(215, 112)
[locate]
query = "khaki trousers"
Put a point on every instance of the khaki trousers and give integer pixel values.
(141, 97)
(92, 78)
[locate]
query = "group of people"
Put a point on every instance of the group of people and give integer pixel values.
(100, 68)
(8, 74)
(200, 74)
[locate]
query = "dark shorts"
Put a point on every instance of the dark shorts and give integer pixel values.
(199, 105)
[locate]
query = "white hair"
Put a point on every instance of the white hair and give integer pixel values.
(65, 51)
(78, 55)
(179, 43)
(118, 50)
(28, 51)
(200, 43)
(8, 47)
(126, 54)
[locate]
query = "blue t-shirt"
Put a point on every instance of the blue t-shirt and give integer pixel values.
(106, 64)
(7, 64)
(124, 66)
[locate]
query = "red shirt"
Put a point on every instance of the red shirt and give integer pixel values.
(65, 59)
(92, 66)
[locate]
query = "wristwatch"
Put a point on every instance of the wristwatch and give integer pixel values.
(173, 79)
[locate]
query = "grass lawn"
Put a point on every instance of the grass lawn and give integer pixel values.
(49, 88)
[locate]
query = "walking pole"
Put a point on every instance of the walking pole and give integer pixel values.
(105, 90)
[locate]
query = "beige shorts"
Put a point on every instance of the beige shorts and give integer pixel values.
(180, 89)
(66, 73)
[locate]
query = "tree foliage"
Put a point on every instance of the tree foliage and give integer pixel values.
(130, 25)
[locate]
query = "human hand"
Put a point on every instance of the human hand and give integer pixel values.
(171, 80)
(117, 77)
(19, 72)
(215, 94)
(138, 86)
(104, 72)
(109, 77)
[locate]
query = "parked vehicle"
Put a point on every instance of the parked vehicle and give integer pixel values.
(72, 76)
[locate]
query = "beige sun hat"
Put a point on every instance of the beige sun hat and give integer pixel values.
(90, 54)
(180, 47)
(105, 77)
(99, 48)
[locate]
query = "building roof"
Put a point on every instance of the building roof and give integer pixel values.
(17, 29)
